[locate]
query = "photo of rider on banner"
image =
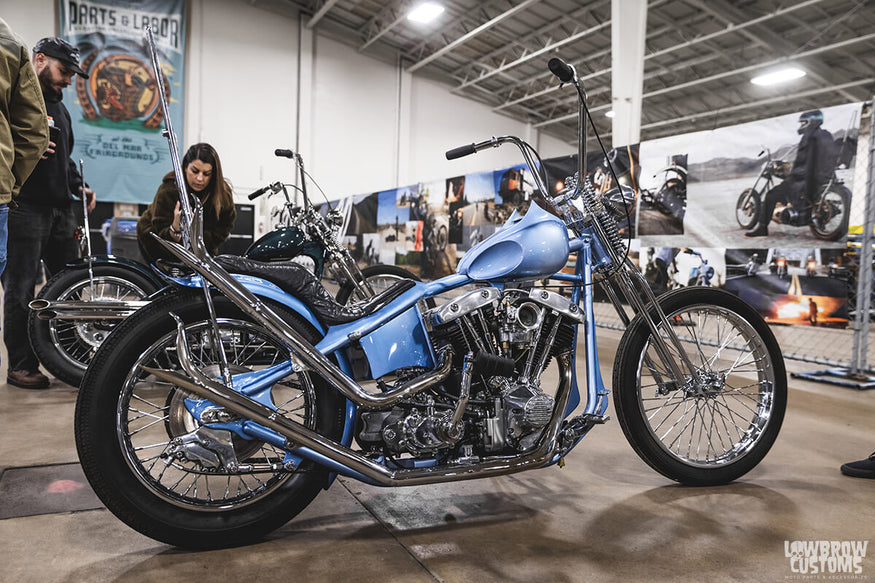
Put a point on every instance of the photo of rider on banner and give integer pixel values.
(785, 181)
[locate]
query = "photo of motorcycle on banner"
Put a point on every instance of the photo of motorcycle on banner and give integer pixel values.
(802, 286)
(668, 268)
(780, 182)
(663, 201)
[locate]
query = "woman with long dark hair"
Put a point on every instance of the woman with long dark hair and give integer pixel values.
(204, 179)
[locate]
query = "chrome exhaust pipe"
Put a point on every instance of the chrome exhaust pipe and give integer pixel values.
(316, 447)
(96, 310)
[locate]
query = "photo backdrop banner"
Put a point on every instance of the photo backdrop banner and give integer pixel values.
(116, 113)
(685, 219)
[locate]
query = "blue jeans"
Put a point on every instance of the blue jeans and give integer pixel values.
(4, 219)
(35, 233)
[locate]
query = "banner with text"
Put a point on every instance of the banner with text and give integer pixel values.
(117, 117)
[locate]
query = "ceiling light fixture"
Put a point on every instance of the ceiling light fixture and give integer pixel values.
(425, 12)
(779, 76)
(609, 113)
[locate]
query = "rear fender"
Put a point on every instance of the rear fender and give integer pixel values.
(265, 289)
(120, 262)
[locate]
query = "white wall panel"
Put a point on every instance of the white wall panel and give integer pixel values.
(354, 121)
(242, 89)
(441, 121)
(31, 19)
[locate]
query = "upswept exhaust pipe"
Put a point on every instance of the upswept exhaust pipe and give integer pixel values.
(95, 310)
(312, 445)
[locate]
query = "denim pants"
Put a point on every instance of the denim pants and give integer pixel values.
(4, 218)
(35, 233)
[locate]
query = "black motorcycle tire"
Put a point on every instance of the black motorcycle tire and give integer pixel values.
(99, 432)
(842, 229)
(382, 274)
(747, 209)
(66, 347)
(638, 407)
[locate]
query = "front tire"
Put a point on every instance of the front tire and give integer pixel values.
(127, 423)
(65, 347)
(712, 428)
(747, 209)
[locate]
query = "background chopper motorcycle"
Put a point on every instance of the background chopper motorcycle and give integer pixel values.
(210, 418)
(77, 309)
(827, 216)
(671, 197)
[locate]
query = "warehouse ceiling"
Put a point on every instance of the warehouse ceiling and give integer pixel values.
(699, 55)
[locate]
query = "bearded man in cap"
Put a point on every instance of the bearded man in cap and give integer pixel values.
(43, 225)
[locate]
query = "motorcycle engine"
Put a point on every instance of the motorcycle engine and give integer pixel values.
(790, 216)
(513, 334)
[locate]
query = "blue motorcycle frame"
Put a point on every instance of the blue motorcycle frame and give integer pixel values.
(521, 249)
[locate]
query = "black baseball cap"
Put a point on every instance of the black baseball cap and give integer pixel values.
(63, 51)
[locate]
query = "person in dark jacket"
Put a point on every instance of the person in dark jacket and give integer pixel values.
(204, 179)
(813, 167)
(43, 225)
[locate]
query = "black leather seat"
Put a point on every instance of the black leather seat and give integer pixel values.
(298, 281)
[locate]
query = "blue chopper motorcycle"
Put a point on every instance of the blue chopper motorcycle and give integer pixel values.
(219, 411)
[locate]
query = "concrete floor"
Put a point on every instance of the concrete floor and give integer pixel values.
(605, 517)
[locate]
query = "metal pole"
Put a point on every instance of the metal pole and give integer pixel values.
(864, 274)
(168, 133)
(87, 230)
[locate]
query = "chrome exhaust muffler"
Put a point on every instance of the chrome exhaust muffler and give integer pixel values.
(96, 310)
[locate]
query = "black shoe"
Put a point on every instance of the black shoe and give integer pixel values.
(25, 379)
(758, 232)
(861, 469)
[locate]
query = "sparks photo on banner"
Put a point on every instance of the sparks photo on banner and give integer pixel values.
(116, 114)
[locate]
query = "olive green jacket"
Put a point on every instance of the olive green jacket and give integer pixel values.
(158, 217)
(24, 129)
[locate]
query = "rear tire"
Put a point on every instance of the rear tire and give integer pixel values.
(715, 430)
(380, 277)
(831, 214)
(66, 347)
(126, 421)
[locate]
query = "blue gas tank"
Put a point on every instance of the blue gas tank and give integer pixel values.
(529, 247)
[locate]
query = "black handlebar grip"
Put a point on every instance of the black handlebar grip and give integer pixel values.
(461, 152)
(283, 153)
(258, 192)
(561, 69)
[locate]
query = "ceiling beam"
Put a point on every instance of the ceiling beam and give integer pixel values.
(761, 102)
(747, 69)
(550, 47)
(394, 11)
(760, 34)
(328, 5)
(466, 37)
(544, 30)
(697, 40)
